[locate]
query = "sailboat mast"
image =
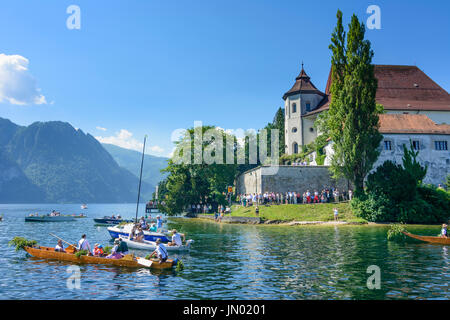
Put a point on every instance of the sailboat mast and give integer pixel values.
(140, 179)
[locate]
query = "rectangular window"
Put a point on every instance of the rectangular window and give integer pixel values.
(308, 107)
(387, 145)
(416, 145)
(440, 145)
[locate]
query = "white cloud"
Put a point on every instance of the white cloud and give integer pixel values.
(17, 85)
(157, 149)
(124, 139)
(101, 128)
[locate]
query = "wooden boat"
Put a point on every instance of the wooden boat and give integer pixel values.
(429, 239)
(127, 261)
(151, 245)
(49, 218)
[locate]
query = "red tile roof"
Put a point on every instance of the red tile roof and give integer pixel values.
(411, 124)
(402, 88)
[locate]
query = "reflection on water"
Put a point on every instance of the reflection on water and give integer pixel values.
(228, 262)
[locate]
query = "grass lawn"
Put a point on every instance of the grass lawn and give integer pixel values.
(299, 212)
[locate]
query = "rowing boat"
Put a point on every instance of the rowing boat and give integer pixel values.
(127, 261)
(151, 245)
(429, 239)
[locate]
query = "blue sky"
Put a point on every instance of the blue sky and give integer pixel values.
(150, 67)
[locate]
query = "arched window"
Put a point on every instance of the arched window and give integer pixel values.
(295, 147)
(294, 130)
(294, 107)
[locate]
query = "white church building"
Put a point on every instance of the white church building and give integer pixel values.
(417, 110)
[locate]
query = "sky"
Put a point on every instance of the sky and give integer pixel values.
(152, 67)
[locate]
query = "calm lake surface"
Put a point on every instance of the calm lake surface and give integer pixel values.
(228, 261)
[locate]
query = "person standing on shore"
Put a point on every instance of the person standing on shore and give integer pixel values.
(335, 213)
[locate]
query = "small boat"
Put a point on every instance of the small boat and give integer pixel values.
(429, 239)
(84, 206)
(127, 261)
(49, 218)
(150, 245)
(110, 220)
(124, 232)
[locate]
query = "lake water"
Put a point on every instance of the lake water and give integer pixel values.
(228, 262)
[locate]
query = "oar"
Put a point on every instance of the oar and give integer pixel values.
(63, 240)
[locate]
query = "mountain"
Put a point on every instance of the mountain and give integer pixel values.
(54, 162)
(131, 160)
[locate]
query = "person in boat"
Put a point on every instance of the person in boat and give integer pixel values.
(139, 235)
(176, 239)
(153, 227)
(159, 223)
(113, 217)
(123, 247)
(114, 251)
(143, 223)
(160, 252)
(119, 216)
(98, 250)
(59, 246)
(444, 233)
(83, 244)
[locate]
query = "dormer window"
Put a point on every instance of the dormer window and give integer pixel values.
(294, 107)
(308, 106)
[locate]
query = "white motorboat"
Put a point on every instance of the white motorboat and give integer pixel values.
(151, 245)
(125, 230)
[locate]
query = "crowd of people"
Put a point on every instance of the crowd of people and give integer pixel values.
(208, 208)
(326, 195)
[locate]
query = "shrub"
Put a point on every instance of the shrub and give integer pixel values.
(395, 233)
(21, 243)
(81, 253)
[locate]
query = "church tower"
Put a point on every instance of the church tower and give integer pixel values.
(301, 99)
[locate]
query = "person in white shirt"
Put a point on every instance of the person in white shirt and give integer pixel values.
(335, 212)
(59, 247)
(160, 252)
(83, 244)
(176, 239)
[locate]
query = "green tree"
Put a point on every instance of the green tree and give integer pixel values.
(411, 165)
(352, 120)
(192, 182)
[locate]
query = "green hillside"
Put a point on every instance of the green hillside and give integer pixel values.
(57, 163)
(131, 160)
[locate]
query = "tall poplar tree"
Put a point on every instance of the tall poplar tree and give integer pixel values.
(352, 119)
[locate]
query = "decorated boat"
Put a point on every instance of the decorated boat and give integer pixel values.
(48, 218)
(125, 230)
(151, 245)
(127, 261)
(429, 239)
(110, 220)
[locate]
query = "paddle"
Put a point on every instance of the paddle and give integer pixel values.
(63, 240)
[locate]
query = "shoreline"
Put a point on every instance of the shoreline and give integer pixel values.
(241, 220)
(260, 221)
